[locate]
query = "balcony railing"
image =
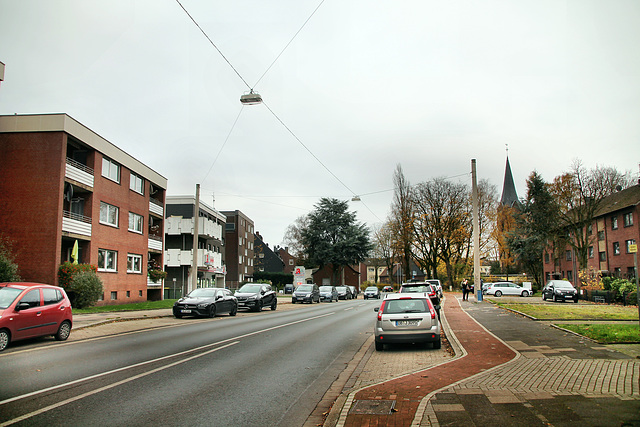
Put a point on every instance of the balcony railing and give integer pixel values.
(79, 172)
(76, 217)
(76, 223)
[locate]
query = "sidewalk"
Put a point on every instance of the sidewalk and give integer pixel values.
(514, 381)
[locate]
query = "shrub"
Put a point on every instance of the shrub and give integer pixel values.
(156, 274)
(85, 289)
(67, 271)
(8, 268)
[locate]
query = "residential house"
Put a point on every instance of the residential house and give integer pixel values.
(288, 259)
(62, 183)
(179, 226)
(265, 258)
(615, 227)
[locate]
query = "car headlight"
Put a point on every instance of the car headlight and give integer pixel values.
(252, 298)
(203, 305)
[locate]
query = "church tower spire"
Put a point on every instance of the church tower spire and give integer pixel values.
(509, 194)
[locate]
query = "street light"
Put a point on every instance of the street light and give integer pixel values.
(251, 98)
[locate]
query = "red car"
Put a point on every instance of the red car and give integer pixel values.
(29, 310)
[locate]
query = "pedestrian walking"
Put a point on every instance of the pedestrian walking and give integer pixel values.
(465, 290)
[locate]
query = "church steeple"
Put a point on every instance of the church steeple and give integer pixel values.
(509, 195)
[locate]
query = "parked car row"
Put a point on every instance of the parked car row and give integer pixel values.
(30, 310)
(505, 288)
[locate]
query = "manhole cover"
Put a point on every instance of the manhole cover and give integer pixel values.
(372, 407)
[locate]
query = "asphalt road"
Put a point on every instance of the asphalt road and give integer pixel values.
(268, 369)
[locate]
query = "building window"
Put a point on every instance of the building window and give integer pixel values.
(628, 219)
(570, 275)
(139, 293)
(546, 258)
(568, 255)
(128, 294)
(107, 260)
(135, 222)
(600, 235)
(110, 169)
(136, 183)
(614, 222)
(239, 259)
(108, 214)
(114, 295)
(603, 256)
(616, 248)
(590, 251)
(590, 229)
(134, 263)
(629, 243)
(617, 272)
(291, 261)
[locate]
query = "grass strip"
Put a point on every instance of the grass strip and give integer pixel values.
(571, 311)
(606, 333)
(147, 305)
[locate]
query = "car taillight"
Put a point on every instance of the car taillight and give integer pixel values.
(380, 310)
(433, 312)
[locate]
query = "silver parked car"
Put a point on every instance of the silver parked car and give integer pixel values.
(507, 288)
(559, 290)
(372, 292)
(406, 318)
(328, 293)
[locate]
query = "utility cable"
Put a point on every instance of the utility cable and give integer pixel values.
(287, 45)
(225, 143)
(213, 44)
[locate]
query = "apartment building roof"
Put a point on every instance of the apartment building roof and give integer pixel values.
(626, 198)
(61, 122)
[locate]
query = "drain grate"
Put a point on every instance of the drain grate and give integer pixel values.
(372, 407)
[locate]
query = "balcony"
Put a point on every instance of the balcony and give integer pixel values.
(177, 225)
(76, 224)
(206, 259)
(156, 207)
(78, 172)
(155, 242)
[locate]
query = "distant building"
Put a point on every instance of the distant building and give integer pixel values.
(288, 259)
(505, 218)
(178, 230)
(265, 258)
(350, 276)
(62, 183)
(238, 248)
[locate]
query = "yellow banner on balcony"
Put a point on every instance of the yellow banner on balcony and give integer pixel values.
(74, 252)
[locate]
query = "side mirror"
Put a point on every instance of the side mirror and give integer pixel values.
(22, 306)
(262, 292)
(219, 297)
(376, 309)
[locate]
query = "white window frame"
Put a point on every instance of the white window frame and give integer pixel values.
(108, 255)
(134, 263)
(111, 169)
(108, 210)
(628, 243)
(137, 225)
(627, 219)
(136, 183)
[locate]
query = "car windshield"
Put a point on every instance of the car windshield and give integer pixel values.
(563, 285)
(325, 288)
(341, 288)
(250, 289)
(371, 289)
(202, 293)
(305, 288)
(7, 296)
(416, 288)
(406, 306)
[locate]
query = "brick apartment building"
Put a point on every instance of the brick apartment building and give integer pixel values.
(614, 228)
(238, 248)
(60, 182)
(179, 246)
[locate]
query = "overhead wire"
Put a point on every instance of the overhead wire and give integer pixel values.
(225, 143)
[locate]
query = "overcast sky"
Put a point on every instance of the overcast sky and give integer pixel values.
(365, 85)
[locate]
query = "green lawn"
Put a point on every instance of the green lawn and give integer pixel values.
(572, 311)
(606, 333)
(148, 305)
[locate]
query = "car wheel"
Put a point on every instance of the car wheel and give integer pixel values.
(274, 304)
(63, 331)
(258, 307)
(379, 346)
(234, 310)
(498, 293)
(544, 297)
(293, 301)
(4, 339)
(437, 344)
(575, 300)
(212, 310)
(525, 293)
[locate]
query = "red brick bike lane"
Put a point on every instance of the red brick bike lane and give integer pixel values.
(484, 351)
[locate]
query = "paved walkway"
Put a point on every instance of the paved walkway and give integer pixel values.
(532, 375)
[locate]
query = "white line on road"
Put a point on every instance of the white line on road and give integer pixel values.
(107, 387)
(80, 380)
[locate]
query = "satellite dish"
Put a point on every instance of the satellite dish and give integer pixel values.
(618, 187)
(251, 98)
(152, 190)
(68, 192)
(150, 221)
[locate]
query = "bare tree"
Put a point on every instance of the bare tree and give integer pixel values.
(579, 194)
(402, 217)
(383, 251)
(293, 237)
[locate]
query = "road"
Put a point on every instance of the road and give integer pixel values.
(270, 368)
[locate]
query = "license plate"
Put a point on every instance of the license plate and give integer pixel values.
(185, 311)
(300, 299)
(406, 323)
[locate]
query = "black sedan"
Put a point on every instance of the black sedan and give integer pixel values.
(559, 290)
(206, 302)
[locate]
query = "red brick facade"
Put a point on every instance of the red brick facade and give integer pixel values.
(37, 168)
